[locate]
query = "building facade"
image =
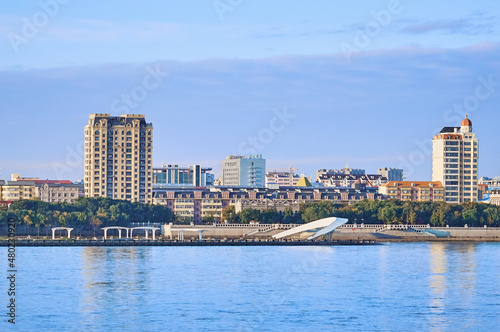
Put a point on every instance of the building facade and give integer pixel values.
(17, 190)
(119, 157)
(194, 205)
(244, 171)
(349, 180)
(495, 197)
(492, 183)
(57, 192)
(392, 174)
(282, 179)
(415, 191)
(46, 190)
(194, 175)
(455, 164)
(323, 173)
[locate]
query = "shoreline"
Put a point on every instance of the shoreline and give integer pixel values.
(360, 240)
(186, 243)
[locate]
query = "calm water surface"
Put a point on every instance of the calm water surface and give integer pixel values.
(393, 287)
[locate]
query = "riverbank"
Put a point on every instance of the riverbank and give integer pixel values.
(185, 243)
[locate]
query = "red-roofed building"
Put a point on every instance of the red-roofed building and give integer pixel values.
(30, 188)
(416, 191)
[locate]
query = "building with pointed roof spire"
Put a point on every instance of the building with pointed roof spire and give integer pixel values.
(455, 162)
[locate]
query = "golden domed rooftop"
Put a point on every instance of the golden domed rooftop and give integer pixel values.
(466, 122)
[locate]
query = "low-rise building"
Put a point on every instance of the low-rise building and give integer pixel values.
(195, 204)
(17, 190)
(282, 178)
(45, 190)
(57, 192)
(490, 182)
(415, 191)
(495, 197)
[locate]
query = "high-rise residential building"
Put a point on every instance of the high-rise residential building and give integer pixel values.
(244, 171)
(173, 175)
(119, 157)
(455, 162)
(392, 174)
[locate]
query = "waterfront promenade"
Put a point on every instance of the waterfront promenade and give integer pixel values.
(262, 235)
(183, 243)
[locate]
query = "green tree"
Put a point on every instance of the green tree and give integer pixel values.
(412, 217)
(471, 217)
(229, 214)
(492, 215)
(387, 214)
(248, 215)
(210, 218)
(271, 216)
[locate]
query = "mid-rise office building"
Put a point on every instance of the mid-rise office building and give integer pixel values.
(324, 173)
(350, 180)
(119, 157)
(455, 162)
(392, 174)
(173, 175)
(244, 171)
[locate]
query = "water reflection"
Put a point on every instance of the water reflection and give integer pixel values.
(466, 268)
(438, 286)
(464, 276)
(110, 277)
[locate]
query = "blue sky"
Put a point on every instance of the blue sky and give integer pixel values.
(316, 85)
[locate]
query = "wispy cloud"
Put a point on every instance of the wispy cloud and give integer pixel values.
(446, 25)
(473, 24)
(409, 86)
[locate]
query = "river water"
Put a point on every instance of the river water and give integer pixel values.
(391, 287)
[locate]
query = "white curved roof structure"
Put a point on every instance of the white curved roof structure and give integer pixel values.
(319, 227)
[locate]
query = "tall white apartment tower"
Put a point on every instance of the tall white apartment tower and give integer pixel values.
(455, 162)
(118, 157)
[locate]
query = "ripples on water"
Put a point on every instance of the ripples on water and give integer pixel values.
(393, 287)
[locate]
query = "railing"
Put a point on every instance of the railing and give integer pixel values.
(145, 224)
(382, 227)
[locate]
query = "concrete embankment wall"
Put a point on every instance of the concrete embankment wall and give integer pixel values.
(230, 232)
(348, 232)
(430, 234)
(470, 232)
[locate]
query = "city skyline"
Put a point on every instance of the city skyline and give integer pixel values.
(281, 84)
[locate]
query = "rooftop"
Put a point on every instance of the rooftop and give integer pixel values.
(417, 184)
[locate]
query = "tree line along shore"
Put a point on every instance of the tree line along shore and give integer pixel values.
(91, 214)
